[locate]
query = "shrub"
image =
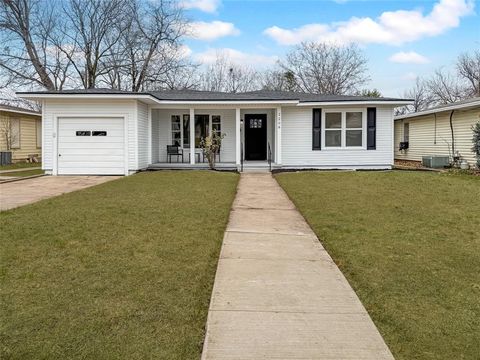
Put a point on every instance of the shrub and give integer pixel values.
(211, 147)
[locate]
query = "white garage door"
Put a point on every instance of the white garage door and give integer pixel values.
(91, 146)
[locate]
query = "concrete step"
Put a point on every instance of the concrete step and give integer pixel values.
(259, 166)
(256, 170)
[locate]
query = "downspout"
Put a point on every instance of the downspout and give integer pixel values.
(435, 129)
(453, 137)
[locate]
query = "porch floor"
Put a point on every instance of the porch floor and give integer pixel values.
(179, 166)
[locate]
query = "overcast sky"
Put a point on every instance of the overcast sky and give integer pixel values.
(402, 39)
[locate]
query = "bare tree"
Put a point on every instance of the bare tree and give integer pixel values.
(89, 31)
(327, 69)
(26, 55)
(279, 80)
(152, 48)
(420, 94)
(444, 88)
(468, 67)
(176, 72)
(225, 75)
(373, 93)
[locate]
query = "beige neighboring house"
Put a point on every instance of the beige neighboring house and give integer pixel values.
(20, 132)
(429, 133)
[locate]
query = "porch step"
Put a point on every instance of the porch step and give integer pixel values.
(261, 167)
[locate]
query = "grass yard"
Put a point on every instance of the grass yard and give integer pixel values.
(20, 165)
(409, 244)
(120, 270)
(22, 173)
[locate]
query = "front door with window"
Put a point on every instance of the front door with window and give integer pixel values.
(255, 137)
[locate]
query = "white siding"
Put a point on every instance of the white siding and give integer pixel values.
(155, 137)
(424, 140)
(162, 136)
(297, 143)
(142, 131)
(87, 108)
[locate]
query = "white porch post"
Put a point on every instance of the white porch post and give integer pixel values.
(237, 136)
(278, 135)
(192, 136)
(149, 132)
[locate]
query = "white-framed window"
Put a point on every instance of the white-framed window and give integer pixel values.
(176, 131)
(344, 129)
(204, 125)
(186, 131)
(353, 129)
(217, 124)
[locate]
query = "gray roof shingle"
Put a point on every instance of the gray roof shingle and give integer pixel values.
(6, 107)
(197, 95)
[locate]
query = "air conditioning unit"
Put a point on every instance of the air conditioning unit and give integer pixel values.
(435, 161)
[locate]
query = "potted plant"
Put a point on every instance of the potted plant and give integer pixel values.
(211, 147)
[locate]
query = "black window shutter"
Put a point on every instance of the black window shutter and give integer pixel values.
(316, 129)
(371, 128)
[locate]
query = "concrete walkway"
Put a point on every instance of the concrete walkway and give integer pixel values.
(277, 292)
(23, 192)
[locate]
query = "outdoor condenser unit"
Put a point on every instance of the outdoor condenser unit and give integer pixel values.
(435, 161)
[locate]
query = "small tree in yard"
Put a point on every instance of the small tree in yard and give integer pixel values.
(6, 131)
(476, 142)
(211, 146)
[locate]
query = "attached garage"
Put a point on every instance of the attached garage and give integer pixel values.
(91, 146)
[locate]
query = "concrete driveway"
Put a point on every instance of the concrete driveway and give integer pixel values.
(23, 192)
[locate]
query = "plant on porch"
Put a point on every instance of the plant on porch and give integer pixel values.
(211, 147)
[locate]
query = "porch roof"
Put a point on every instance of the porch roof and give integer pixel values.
(196, 96)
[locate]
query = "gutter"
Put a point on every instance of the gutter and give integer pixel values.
(25, 112)
(358, 102)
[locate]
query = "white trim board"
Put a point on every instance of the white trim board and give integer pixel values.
(153, 100)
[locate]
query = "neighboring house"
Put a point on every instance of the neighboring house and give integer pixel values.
(20, 132)
(103, 131)
(429, 133)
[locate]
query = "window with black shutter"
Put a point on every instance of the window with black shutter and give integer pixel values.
(371, 128)
(316, 129)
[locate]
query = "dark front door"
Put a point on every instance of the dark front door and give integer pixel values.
(255, 137)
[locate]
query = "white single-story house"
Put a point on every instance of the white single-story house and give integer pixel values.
(102, 131)
(427, 133)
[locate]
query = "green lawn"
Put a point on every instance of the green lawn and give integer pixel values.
(409, 244)
(22, 173)
(120, 270)
(20, 165)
